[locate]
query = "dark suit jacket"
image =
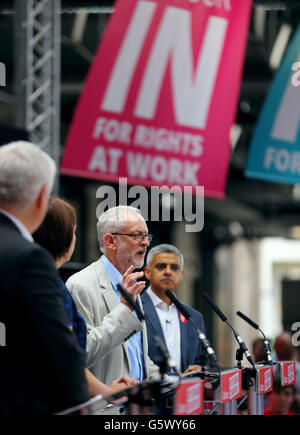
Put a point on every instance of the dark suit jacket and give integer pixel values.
(191, 348)
(41, 366)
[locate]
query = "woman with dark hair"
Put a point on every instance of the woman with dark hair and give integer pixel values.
(57, 235)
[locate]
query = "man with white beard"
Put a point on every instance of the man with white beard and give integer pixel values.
(123, 238)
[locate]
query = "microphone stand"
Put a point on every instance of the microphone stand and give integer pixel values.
(202, 338)
(165, 361)
(242, 346)
(240, 351)
(163, 400)
(255, 400)
(267, 350)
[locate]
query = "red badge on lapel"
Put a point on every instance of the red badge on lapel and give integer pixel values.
(182, 318)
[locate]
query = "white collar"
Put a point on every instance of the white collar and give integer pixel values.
(155, 299)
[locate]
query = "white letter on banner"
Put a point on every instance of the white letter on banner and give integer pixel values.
(192, 92)
(118, 87)
(287, 120)
(138, 164)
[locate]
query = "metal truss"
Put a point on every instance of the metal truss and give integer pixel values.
(37, 72)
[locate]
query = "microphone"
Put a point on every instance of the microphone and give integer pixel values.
(267, 348)
(157, 340)
(130, 302)
(206, 344)
(222, 316)
(164, 351)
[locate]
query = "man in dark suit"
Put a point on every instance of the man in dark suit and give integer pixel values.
(165, 271)
(41, 364)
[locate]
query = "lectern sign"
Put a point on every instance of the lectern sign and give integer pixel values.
(161, 95)
(287, 372)
(231, 385)
(190, 397)
(264, 379)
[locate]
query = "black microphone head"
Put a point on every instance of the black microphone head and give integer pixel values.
(214, 307)
(169, 294)
(178, 304)
(134, 305)
(244, 317)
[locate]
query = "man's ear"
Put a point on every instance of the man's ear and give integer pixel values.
(147, 272)
(42, 198)
(110, 241)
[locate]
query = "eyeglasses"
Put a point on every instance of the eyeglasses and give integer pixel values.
(136, 237)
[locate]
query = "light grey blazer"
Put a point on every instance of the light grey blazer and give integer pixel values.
(109, 325)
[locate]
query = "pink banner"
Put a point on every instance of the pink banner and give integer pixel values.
(161, 95)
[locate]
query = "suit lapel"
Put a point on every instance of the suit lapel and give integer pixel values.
(109, 296)
(183, 342)
(106, 287)
(152, 316)
(144, 341)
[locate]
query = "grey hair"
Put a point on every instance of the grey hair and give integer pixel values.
(164, 249)
(113, 220)
(24, 170)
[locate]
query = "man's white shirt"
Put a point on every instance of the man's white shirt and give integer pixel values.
(168, 317)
